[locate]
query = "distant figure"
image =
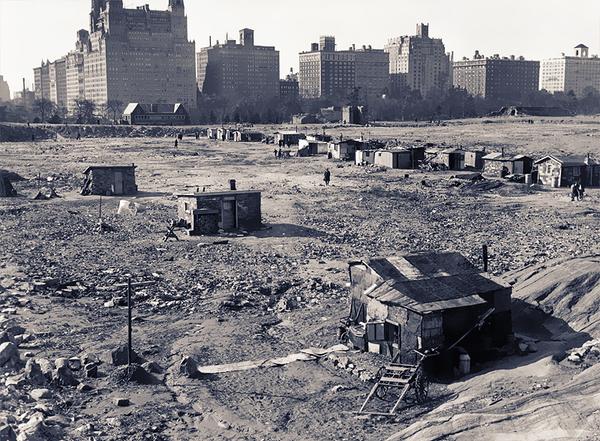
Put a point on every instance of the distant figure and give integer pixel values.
(329, 155)
(327, 176)
(176, 143)
(580, 191)
(574, 192)
(280, 143)
(28, 125)
(504, 172)
(288, 144)
(197, 135)
(32, 137)
(275, 153)
(78, 136)
(279, 153)
(180, 136)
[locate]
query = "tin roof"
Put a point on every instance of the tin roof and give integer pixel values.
(215, 193)
(565, 160)
(431, 281)
(105, 167)
(497, 156)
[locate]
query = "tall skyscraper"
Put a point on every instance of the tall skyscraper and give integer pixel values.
(419, 62)
(139, 55)
(578, 73)
(326, 72)
(4, 90)
(496, 77)
(239, 70)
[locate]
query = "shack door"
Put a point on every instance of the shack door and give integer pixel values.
(229, 215)
(518, 168)
(118, 182)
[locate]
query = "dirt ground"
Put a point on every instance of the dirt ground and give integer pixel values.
(278, 290)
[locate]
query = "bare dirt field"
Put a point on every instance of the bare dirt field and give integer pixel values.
(282, 289)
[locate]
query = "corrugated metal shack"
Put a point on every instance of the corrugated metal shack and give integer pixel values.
(425, 301)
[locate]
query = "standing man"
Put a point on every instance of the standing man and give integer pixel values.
(327, 176)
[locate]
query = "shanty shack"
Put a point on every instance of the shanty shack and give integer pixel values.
(247, 136)
(211, 133)
(288, 137)
(493, 164)
(400, 158)
(453, 159)
(563, 171)
(209, 212)
(311, 148)
(109, 180)
(474, 159)
(345, 150)
(427, 301)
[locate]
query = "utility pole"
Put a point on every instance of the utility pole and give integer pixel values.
(129, 306)
(485, 258)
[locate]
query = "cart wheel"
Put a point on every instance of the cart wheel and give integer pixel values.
(381, 391)
(345, 337)
(421, 387)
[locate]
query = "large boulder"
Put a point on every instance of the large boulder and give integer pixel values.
(34, 374)
(118, 356)
(63, 376)
(34, 429)
(9, 354)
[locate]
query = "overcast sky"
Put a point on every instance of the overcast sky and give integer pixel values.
(32, 30)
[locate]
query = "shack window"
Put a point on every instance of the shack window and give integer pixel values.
(186, 206)
(392, 332)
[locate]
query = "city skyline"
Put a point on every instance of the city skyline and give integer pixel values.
(508, 33)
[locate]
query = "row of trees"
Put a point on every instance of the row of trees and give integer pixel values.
(85, 111)
(402, 105)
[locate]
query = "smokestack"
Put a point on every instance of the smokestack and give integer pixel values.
(210, 41)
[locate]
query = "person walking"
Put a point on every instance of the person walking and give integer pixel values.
(327, 176)
(176, 143)
(574, 191)
(580, 191)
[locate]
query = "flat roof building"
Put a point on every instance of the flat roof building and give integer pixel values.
(239, 70)
(579, 73)
(508, 78)
(419, 62)
(326, 72)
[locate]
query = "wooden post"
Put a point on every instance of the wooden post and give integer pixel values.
(129, 306)
(100, 210)
(485, 258)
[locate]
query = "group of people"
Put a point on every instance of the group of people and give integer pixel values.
(577, 191)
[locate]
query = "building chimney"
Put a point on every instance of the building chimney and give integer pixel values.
(210, 41)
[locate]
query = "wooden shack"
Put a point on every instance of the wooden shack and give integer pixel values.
(209, 212)
(109, 180)
(453, 159)
(289, 137)
(426, 301)
(400, 158)
(563, 171)
(474, 159)
(493, 164)
(345, 150)
(247, 136)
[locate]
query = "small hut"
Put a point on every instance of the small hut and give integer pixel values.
(109, 180)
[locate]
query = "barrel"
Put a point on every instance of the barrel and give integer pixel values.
(464, 364)
(528, 179)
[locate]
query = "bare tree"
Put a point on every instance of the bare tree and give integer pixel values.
(44, 107)
(115, 107)
(84, 111)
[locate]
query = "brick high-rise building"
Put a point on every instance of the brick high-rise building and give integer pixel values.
(139, 55)
(239, 70)
(41, 80)
(497, 77)
(57, 71)
(419, 62)
(325, 72)
(579, 73)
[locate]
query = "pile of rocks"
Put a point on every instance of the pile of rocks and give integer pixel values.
(343, 362)
(587, 355)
